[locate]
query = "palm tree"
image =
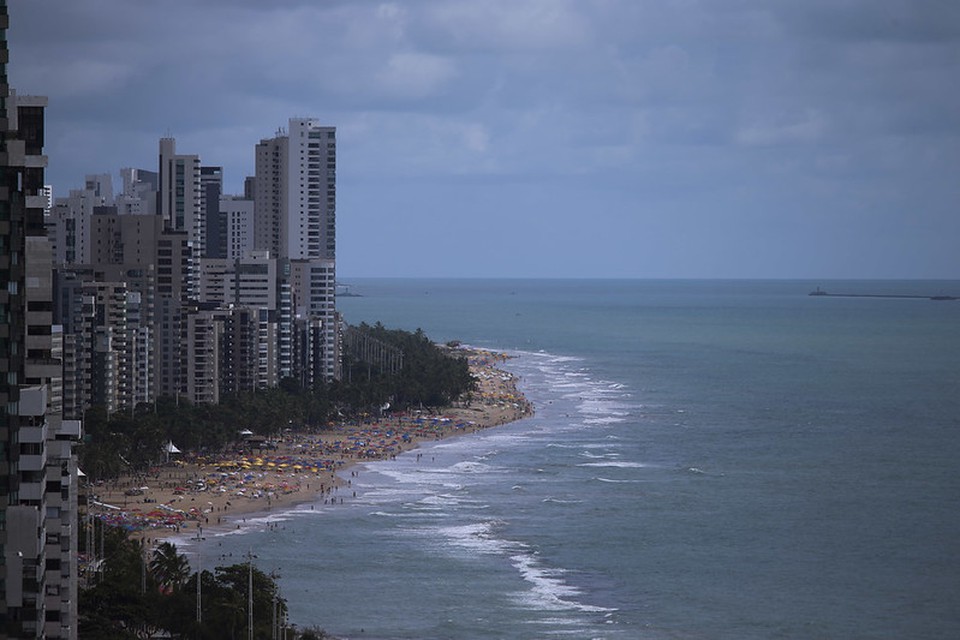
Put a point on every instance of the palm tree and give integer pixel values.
(170, 568)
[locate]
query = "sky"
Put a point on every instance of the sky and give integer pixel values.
(808, 139)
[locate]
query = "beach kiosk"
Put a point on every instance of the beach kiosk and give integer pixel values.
(169, 449)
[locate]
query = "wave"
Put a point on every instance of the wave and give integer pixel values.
(601, 421)
(593, 456)
(611, 481)
(549, 591)
(583, 445)
(471, 467)
(551, 358)
(616, 463)
(478, 537)
(552, 500)
(387, 514)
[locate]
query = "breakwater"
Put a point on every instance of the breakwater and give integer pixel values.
(821, 293)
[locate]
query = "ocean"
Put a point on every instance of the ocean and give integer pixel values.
(708, 459)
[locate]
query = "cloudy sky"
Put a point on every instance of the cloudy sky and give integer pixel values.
(543, 138)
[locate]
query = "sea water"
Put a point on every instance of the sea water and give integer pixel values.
(708, 459)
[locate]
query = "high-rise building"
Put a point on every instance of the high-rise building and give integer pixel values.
(180, 203)
(139, 196)
(238, 219)
(215, 228)
(295, 197)
(68, 223)
(38, 474)
(313, 289)
(136, 249)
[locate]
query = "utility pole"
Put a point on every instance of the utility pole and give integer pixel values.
(102, 557)
(276, 604)
(199, 580)
(250, 558)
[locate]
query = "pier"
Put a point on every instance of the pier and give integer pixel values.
(821, 293)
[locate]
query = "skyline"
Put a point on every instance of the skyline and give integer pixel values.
(543, 138)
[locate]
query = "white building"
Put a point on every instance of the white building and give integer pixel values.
(295, 216)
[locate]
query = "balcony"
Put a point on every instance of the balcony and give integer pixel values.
(33, 401)
(35, 434)
(33, 462)
(72, 428)
(31, 490)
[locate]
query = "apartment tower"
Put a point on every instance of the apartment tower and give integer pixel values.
(38, 474)
(295, 196)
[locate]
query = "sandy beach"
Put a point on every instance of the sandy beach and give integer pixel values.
(191, 492)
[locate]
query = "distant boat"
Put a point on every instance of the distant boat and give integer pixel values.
(819, 292)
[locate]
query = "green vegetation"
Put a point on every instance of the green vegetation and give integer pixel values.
(127, 441)
(133, 596)
(429, 377)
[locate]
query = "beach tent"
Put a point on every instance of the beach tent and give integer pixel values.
(170, 448)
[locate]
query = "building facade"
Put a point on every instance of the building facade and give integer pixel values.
(295, 217)
(38, 475)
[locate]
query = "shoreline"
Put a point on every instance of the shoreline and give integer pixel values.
(217, 493)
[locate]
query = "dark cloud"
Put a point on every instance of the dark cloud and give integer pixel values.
(661, 117)
(917, 21)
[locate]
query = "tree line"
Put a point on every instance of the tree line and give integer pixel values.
(131, 440)
(136, 594)
(131, 593)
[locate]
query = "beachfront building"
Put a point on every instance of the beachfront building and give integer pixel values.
(203, 331)
(229, 350)
(248, 289)
(295, 218)
(38, 476)
(250, 281)
(313, 290)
